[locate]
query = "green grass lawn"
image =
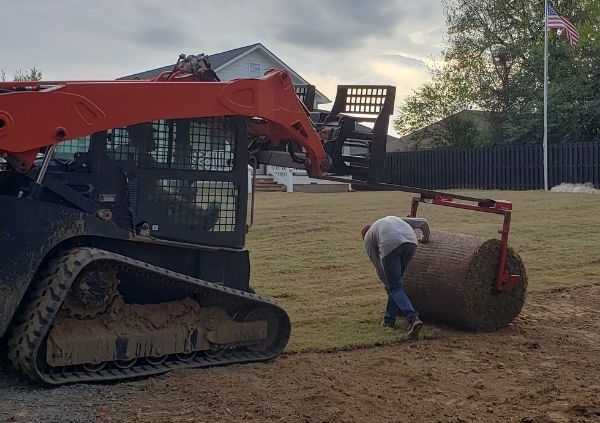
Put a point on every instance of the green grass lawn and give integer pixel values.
(306, 253)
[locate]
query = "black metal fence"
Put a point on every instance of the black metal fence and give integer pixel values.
(512, 167)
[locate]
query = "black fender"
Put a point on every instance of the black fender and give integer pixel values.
(29, 231)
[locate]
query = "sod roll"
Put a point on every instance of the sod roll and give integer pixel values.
(451, 280)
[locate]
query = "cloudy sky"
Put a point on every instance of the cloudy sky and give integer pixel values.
(328, 42)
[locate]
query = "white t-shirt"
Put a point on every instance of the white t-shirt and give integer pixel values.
(387, 234)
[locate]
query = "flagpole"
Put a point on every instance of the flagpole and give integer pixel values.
(546, 95)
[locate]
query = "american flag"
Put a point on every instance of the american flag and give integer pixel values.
(555, 21)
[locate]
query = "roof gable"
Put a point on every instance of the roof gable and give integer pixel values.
(266, 52)
(220, 60)
(224, 59)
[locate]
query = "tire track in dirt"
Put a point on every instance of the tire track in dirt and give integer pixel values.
(543, 368)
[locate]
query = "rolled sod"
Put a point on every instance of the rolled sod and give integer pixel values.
(451, 280)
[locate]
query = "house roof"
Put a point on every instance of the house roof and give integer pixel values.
(224, 59)
(216, 60)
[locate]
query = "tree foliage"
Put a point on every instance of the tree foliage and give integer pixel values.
(34, 74)
(493, 62)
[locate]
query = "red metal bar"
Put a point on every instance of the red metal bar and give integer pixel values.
(414, 206)
(505, 281)
(497, 207)
(71, 110)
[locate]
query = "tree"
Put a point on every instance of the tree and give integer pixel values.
(33, 75)
(574, 80)
(438, 102)
(494, 62)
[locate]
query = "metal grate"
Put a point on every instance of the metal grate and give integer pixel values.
(163, 134)
(360, 99)
(119, 146)
(306, 94)
(145, 144)
(66, 150)
(199, 205)
(199, 144)
(209, 144)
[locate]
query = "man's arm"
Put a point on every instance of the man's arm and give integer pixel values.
(419, 223)
(373, 253)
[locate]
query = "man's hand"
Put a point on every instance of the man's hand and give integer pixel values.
(422, 237)
(418, 223)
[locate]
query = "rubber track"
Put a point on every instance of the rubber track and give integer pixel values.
(33, 325)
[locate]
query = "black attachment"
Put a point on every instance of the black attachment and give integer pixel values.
(355, 149)
(306, 94)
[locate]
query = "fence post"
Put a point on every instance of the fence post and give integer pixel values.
(290, 180)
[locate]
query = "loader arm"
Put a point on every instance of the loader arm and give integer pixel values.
(69, 110)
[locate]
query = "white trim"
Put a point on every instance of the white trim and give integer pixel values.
(282, 175)
(289, 177)
(254, 70)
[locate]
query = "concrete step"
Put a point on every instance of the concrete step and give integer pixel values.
(270, 189)
(268, 184)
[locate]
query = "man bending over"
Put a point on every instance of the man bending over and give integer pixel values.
(390, 243)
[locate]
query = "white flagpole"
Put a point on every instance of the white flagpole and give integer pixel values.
(546, 95)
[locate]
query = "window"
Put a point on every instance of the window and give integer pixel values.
(254, 70)
(188, 144)
(198, 205)
(66, 150)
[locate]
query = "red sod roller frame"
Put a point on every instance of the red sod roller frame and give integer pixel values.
(505, 281)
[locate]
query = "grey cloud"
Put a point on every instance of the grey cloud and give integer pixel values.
(423, 10)
(111, 38)
(405, 60)
(338, 24)
(161, 36)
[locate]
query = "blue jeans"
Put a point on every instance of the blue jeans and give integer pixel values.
(394, 265)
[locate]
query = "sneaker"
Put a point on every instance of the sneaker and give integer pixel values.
(415, 328)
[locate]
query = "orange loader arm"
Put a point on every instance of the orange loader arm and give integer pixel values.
(38, 114)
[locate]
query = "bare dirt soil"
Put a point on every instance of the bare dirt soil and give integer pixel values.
(543, 368)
